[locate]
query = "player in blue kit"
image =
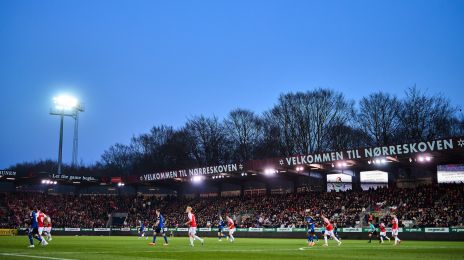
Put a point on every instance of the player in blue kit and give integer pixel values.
(159, 228)
(310, 233)
(142, 229)
(221, 225)
(33, 231)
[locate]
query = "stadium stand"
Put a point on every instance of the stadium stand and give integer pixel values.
(425, 206)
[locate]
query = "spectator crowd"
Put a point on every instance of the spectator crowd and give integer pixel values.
(425, 206)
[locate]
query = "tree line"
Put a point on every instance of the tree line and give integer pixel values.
(299, 123)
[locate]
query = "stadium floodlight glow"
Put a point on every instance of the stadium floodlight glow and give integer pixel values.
(270, 171)
(197, 179)
(342, 164)
(66, 105)
(425, 158)
(49, 182)
(120, 184)
(299, 168)
(379, 161)
(65, 102)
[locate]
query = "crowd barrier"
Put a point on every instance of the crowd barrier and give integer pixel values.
(8, 232)
(431, 233)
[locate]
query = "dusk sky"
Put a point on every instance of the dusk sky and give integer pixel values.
(136, 64)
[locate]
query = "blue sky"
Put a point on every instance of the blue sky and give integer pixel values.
(136, 64)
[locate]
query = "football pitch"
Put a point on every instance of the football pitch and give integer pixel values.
(124, 247)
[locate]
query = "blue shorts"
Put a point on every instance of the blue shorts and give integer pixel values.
(159, 230)
(311, 230)
(33, 231)
(220, 229)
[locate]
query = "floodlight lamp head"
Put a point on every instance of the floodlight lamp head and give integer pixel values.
(65, 102)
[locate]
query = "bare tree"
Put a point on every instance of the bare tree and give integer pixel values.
(425, 117)
(210, 142)
(149, 147)
(304, 120)
(343, 137)
(120, 158)
(378, 117)
(457, 124)
(244, 129)
(330, 109)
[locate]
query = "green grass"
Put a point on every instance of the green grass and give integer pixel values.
(117, 247)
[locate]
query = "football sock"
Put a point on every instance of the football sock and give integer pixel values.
(31, 240)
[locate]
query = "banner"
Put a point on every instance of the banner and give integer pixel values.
(296, 230)
(7, 173)
(413, 230)
(373, 152)
(368, 229)
(351, 230)
(437, 230)
(185, 173)
(72, 229)
(101, 229)
(8, 232)
(64, 177)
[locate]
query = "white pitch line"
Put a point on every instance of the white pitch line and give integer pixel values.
(203, 249)
(34, 256)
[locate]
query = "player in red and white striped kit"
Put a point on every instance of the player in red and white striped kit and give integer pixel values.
(383, 233)
(40, 221)
(192, 223)
(395, 229)
(231, 225)
(48, 228)
(329, 231)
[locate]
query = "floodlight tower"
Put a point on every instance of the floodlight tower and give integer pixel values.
(66, 106)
